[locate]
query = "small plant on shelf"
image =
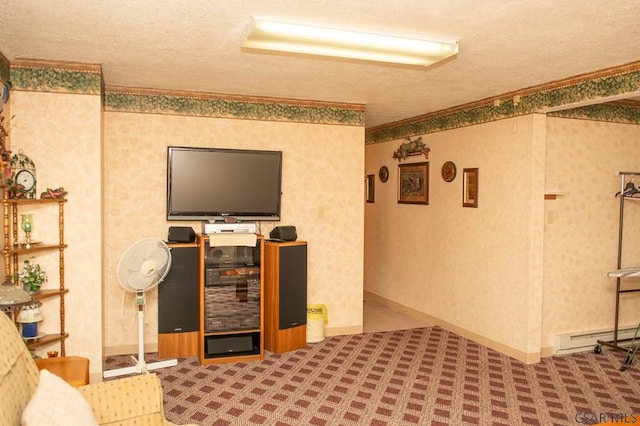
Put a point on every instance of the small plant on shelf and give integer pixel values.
(32, 276)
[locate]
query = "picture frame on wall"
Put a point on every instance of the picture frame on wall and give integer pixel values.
(470, 187)
(413, 183)
(370, 187)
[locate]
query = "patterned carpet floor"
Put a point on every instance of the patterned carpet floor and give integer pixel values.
(424, 376)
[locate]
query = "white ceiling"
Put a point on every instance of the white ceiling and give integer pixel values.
(195, 45)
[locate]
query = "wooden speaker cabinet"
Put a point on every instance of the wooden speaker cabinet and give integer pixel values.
(178, 304)
(285, 296)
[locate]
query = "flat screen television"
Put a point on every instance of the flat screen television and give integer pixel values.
(211, 184)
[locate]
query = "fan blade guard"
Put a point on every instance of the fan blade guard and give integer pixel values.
(144, 265)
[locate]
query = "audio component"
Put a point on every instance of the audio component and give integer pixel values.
(284, 233)
(219, 228)
(181, 234)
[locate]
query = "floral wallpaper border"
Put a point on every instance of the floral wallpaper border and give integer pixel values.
(248, 108)
(593, 86)
(63, 77)
(617, 112)
(87, 79)
(45, 76)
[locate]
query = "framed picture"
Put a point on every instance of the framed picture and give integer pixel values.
(470, 187)
(370, 183)
(413, 183)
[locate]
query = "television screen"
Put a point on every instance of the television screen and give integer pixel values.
(223, 184)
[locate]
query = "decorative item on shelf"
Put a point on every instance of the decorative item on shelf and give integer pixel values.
(5, 91)
(53, 193)
(12, 298)
(22, 180)
(26, 223)
(412, 147)
(29, 317)
(5, 154)
(32, 277)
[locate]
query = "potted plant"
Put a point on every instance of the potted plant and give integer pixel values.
(32, 277)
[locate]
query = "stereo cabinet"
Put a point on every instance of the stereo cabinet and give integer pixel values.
(285, 285)
(231, 309)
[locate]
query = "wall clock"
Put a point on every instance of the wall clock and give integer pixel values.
(22, 180)
(383, 174)
(448, 171)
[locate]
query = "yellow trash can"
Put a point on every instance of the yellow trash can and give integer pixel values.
(316, 319)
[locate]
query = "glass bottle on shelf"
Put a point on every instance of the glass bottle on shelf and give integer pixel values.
(27, 226)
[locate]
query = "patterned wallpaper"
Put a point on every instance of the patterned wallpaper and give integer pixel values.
(137, 128)
(66, 153)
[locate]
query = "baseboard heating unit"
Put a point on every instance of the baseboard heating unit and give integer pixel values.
(587, 341)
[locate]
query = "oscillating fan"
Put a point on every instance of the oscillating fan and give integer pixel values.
(142, 267)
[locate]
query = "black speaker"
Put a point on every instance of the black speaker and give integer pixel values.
(284, 233)
(231, 344)
(292, 306)
(181, 234)
(178, 294)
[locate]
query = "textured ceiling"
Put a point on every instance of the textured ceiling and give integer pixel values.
(195, 45)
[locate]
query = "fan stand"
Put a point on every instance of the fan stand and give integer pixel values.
(140, 365)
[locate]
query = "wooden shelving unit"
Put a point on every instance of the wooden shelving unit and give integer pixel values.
(13, 251)
(234, 341)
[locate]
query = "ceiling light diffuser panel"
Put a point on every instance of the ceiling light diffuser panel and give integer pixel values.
(311, 40)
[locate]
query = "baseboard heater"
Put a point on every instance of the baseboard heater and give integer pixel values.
(583, 342)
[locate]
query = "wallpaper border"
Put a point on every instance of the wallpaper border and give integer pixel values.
(57, 77)
(583, 88)
(229, 106)
(617, 112)
(66, 77)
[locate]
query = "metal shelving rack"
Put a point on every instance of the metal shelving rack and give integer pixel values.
(628, 192)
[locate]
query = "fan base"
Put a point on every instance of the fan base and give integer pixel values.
(140, 367)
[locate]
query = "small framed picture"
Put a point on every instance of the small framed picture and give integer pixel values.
(370, 188)
(470, 187)
(413, 183)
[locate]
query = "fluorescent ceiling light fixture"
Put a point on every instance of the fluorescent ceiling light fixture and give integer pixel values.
(310, 40)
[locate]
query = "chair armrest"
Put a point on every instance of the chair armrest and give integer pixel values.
(129, 400)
